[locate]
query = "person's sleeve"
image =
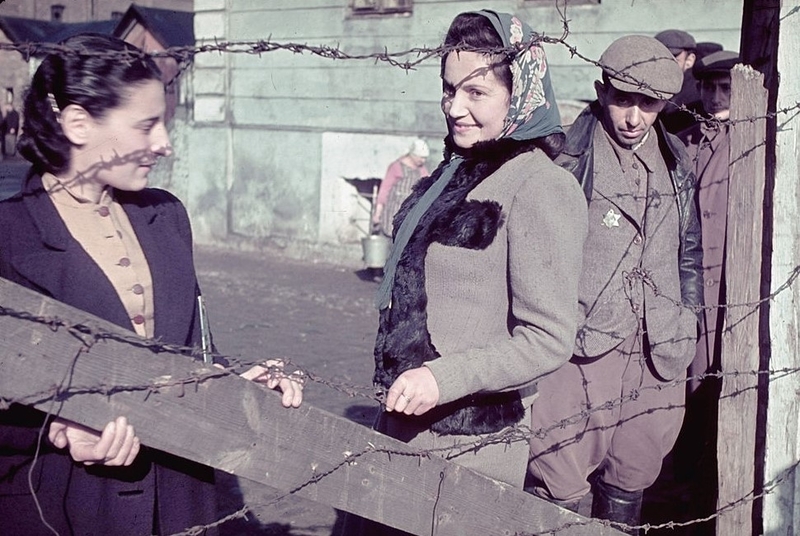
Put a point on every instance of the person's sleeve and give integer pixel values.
(547, 225)
(20, 429)
(691, 261)
(183, 227)
(393, 174)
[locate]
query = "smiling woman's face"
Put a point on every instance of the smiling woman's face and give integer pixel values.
(127, 142)
(475, 100)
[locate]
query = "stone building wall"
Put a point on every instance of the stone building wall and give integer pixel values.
(270, 138)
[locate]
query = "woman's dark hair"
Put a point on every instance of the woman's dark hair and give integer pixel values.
(474, 31)
(93, 71)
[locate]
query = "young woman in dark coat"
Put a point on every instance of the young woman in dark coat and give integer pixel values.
(86, 230)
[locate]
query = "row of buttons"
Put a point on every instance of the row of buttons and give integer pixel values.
(125, 262)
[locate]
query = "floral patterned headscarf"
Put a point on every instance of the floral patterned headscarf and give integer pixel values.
(533, 112)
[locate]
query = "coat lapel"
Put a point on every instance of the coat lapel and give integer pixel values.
(169, 257)
(55, 263)
(610, 184)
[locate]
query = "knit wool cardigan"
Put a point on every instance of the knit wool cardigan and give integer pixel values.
(485, 293)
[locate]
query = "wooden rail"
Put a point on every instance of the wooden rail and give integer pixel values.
(237, 426)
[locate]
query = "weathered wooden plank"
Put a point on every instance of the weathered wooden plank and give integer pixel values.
(782, 506)
(237, 426)
(736, 450)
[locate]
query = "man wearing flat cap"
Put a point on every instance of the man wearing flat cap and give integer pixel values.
(681, 45)
(684, 48)
(640, 285)
(708, 145)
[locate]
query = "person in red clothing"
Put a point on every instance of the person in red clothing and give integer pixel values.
(396, 185)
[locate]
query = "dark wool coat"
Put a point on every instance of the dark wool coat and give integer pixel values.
(404, 340)
(37, 251)
(708, 148)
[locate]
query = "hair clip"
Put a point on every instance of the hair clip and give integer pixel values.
(53, 104)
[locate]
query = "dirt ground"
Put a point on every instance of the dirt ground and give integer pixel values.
(317, 315)
(320, 316)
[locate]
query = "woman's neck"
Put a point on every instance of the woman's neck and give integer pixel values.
(81, 186)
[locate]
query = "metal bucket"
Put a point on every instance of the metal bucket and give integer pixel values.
(376, 250)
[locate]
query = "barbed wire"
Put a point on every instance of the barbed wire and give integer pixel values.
(89, 335)
(407, 60)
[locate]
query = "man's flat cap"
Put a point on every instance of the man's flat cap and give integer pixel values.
(715, 63)
(704, 48)
(676, 40)
(641, 64)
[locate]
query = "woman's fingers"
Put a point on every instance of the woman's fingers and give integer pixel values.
(292, 393)
(57, 433)
(271, 374)
(116, 445)
(414, 392)
(121, 445)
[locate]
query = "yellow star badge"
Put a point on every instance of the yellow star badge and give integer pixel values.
(611, 219)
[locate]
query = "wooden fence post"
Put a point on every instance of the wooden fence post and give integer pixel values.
(781, 484)
(736, 446)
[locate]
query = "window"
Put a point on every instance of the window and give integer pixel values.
(57, 12)
(362, 8)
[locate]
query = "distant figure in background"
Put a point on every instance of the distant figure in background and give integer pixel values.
(708, 145)
(396, 185)
(9, 130)
(683, 46)
(705, 48)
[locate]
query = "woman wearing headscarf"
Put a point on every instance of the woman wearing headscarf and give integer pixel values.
(480, 293)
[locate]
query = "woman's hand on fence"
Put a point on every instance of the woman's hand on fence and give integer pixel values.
(414, 392)
(117, 445)
(271, 374)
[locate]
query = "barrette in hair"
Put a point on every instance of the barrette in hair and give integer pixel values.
(53, 104)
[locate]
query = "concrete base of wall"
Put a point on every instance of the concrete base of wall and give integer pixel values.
(345, 255)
